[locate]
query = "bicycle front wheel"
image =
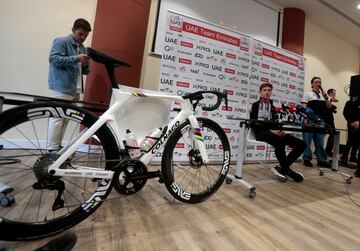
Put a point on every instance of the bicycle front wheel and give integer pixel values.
(40, 204)
(185, 175)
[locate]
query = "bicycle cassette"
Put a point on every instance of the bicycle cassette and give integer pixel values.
(130, 177)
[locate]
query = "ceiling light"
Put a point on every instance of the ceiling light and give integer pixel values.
(358, 6)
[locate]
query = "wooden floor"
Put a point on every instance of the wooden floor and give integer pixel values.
(314, 215)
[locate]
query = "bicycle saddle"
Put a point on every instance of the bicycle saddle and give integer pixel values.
(101, 58)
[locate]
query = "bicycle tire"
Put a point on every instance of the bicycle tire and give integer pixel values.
(32, 216)
(179, 178)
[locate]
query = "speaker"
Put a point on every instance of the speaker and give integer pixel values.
(355, 85)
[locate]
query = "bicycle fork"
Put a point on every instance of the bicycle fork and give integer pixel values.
(198, 138)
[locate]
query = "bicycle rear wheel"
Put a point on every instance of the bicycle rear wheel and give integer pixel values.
(185, 175)
(44, 204)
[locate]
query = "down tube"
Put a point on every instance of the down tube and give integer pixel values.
(176, 122)
(199, 139)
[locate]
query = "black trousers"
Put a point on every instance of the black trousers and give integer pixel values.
(351, 143)
(279, 143)
(330, 141)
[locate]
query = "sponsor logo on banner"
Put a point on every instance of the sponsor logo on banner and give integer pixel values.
(175, 23)
(216, 68)
(244, 44)
(241, 110)
(171, 40)
(182, 69)
(184, 61)
(166, 81)
(169, 66)
(234, 64)
(260, 148)
(209, 74)
(200, 87)
(274, 68)
(168, 48)
(265, 66)
(169, 57)
(227, 130)
(218, 52)
(183, 84)
(292, 87)
(230, 71)
(198, 55)
(253, 96)
(187, 44)
(185, 52)
(230, 55)
(258, 49)
(264, 80)
(246, 60)
(229, 108)
(201, 64)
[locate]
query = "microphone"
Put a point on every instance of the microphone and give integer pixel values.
(276, 113)
(309, 114)
(290, 112)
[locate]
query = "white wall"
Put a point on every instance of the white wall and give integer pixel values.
(332, 59)
(27, 29)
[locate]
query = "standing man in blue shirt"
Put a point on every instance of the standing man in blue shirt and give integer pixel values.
(68, 62)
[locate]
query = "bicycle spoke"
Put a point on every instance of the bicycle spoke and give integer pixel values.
(36, 136)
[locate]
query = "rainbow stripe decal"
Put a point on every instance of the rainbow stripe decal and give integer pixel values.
(138, 94)
(197, 134)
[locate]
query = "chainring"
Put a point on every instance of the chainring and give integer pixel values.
(130, 177)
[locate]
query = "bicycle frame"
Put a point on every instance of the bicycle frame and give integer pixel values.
(118, 99)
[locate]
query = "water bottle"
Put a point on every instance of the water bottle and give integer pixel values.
(132, 144)
(151, 139)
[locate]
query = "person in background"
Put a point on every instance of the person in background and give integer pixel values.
(353, 118)
(319, 102)
(263, 109)
(68, 62)
(353, 136)
(329, 121)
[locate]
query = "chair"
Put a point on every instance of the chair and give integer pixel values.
(250, 138)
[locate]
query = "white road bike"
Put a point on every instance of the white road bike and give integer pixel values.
(57, 190)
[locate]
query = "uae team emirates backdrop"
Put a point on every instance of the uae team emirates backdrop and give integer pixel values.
(198, 55)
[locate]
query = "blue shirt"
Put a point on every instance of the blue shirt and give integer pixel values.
(64, 68)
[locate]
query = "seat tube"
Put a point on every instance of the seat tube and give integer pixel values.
(198, 138)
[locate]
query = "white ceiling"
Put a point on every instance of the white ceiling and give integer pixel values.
(340, 17)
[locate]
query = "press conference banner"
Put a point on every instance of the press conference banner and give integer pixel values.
(198, 55)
